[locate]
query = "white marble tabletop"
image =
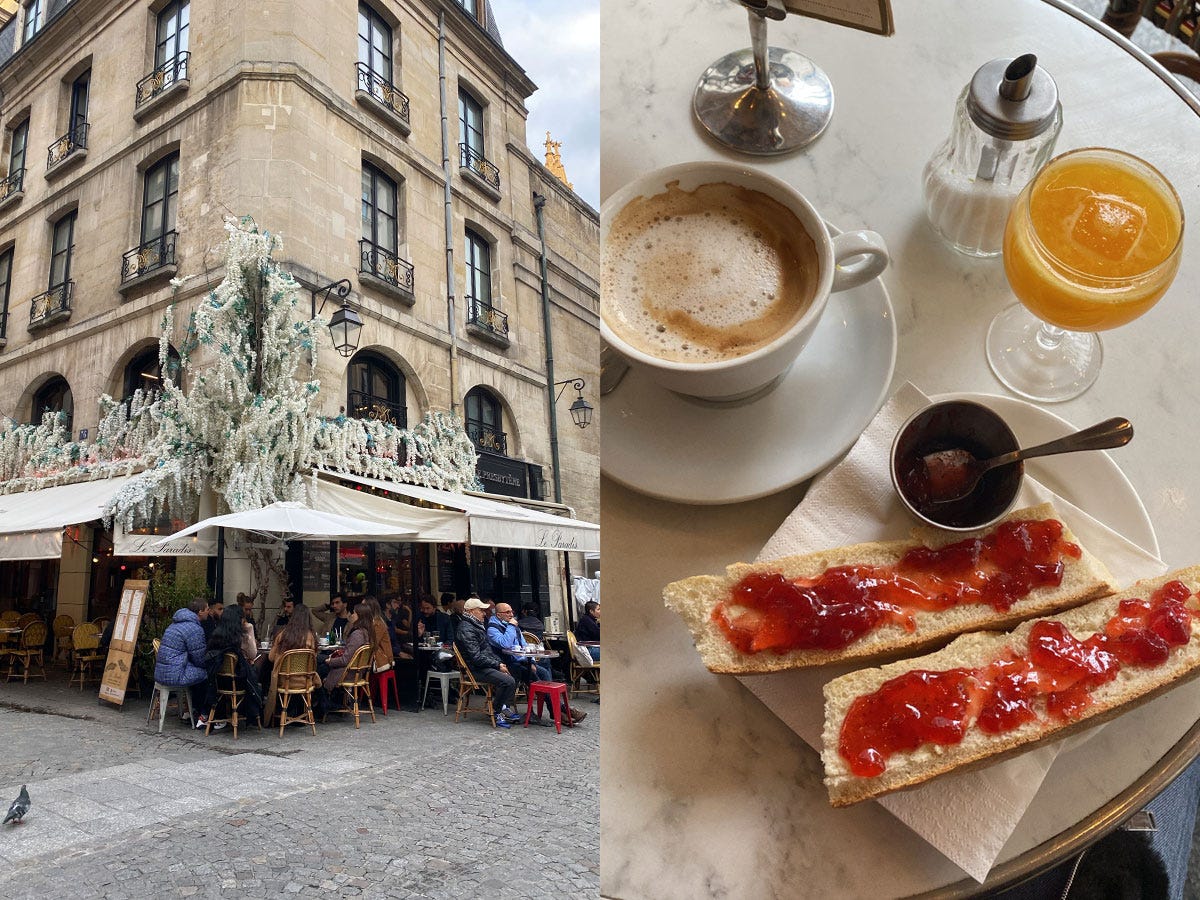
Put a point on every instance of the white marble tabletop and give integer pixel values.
(705, 792)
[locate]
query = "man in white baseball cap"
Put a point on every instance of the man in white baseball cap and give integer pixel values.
(486, 665)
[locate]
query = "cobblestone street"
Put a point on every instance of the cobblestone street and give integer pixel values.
(413, 806)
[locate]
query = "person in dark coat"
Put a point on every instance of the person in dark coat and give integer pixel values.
(181, 660)
(530, 621)
(588, 627)
(485, 664)
(229, 637)
(435, 622)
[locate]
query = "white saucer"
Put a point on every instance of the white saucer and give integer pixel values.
(1091, 481)
(668, 446)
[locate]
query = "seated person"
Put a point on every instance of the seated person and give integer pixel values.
(433, 621)
(298, 634)
(530, 621)
(399, 627)
(359, 632)
(506, 637)
(180, 661)
(338, 618)
(230, 636)
(289, 607)
(588, 627)
(209, 621)
(485, 664)
(382, 657)
(247, 605)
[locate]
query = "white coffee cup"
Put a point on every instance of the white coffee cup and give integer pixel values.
(843, 262)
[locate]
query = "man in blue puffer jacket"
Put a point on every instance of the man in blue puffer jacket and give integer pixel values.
(181, 653)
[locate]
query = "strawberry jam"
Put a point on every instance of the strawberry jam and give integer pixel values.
(833, 610)
(1057, 672)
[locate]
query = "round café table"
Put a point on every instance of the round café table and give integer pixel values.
(706, 792)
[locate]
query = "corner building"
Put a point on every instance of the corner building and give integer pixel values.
(385, 141)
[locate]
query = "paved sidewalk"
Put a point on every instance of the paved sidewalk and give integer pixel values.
(413, 806)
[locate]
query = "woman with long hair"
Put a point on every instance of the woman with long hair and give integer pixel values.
(359, 632)
(229, 636)
(382, 656)
(297, 634)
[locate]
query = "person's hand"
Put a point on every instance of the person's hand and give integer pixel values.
(504, 668)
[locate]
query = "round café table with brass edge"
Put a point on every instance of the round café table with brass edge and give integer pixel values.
(744, 771)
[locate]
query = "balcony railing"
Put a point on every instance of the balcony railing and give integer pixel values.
(71, 142)
(51, 306)
(486, 437)
(13, 184)
(361, 405)
(382, 90)
(478, 165)
(485, 316)
(385, 265)
(171, 72)
(148, 257)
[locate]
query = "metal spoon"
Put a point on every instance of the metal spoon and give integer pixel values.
(952, 474)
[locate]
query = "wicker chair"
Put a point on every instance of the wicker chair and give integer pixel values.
(28, 619)
(295, 676)
(576, 670)
(63, 626)
(356, 682)
(31, 649)
(227, 687)
(1178, 18)
(85, 640)
(469, 684)
(9, 618)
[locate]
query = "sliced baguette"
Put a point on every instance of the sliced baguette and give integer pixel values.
(1132, 686)
(695, 598)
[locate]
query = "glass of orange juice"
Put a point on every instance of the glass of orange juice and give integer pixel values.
(1092, 242)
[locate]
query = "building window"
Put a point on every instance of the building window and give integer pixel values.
(470, 126)
(375, 390)
(160, 199)
(78, 122)
(171, 36)
(16, 156)
(379, 218)
(374, 43)
(33, 20)
(479, 269)
(61, 248)
(485, 420)
(53, 396)
(6, 261)
(471, 7)
(146, 375)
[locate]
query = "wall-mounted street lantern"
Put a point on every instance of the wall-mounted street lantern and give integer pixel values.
(581, 410)
(345, 324)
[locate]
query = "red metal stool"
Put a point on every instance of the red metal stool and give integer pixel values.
(380, 682)
(555, 692)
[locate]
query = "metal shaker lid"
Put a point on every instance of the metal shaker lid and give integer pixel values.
(1013, 99)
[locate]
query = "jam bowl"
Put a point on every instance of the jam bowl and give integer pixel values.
(956, 425)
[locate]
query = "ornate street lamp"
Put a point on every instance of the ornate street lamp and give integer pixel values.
(581, 410)
(345, 324)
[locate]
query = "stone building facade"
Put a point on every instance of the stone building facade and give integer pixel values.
(132, 128)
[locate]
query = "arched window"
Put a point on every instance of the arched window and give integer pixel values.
(485, 420)
(375, 390)
(144, 372)
(53, 396)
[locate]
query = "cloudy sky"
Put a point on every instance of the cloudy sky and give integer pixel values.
(558, 43)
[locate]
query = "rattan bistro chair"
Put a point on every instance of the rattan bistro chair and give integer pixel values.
(356, 682)
(577, 672)
(85, 640)
(1178, 18)
(28, 619)
(469, 684)
(295, 676)
(228, 688)
(9, 618)
(63, 626)
(31, 649)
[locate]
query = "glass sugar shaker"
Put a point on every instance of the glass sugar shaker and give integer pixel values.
(1005, 124)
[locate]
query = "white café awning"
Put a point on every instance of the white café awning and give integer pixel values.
(31, 522)
(295, 521)
(431, 525)
(496, 524)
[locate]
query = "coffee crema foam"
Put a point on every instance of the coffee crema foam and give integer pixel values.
(706, 275)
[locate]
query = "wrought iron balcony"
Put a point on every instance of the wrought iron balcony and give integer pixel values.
(171, 72)
(386, 266)
(52, 306)
(486, 437)
(149, 257)
(380, 89)
(479, 166)
(361, 405)
(487, 317)
(67, 146)
(13, 184)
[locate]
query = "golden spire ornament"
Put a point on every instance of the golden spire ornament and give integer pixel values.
(554, 161)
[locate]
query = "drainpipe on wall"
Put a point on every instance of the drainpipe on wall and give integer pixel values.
(451, 316)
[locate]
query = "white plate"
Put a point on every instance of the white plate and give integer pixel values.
(663, 444)
(1092, 481)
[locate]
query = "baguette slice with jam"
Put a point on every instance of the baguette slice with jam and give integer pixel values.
(987, 696)
(885, 599)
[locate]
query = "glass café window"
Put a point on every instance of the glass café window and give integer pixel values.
(53, 396)
(374, 43)
(470, 124)
(379, 218)
(16, 157)
(479, 269)
(61, 249)
(171, 36)
(375, 390)
(160, 198)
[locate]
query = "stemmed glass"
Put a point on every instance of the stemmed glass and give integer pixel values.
(763, 100)
(1092, 242)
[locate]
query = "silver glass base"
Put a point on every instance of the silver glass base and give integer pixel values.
(788, 115)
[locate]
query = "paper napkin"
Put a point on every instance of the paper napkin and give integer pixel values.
(968, 817)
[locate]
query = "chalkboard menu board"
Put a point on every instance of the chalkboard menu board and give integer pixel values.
(316, 566)
(445, 564)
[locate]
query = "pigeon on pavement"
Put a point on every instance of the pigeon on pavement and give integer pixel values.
(19, 807)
